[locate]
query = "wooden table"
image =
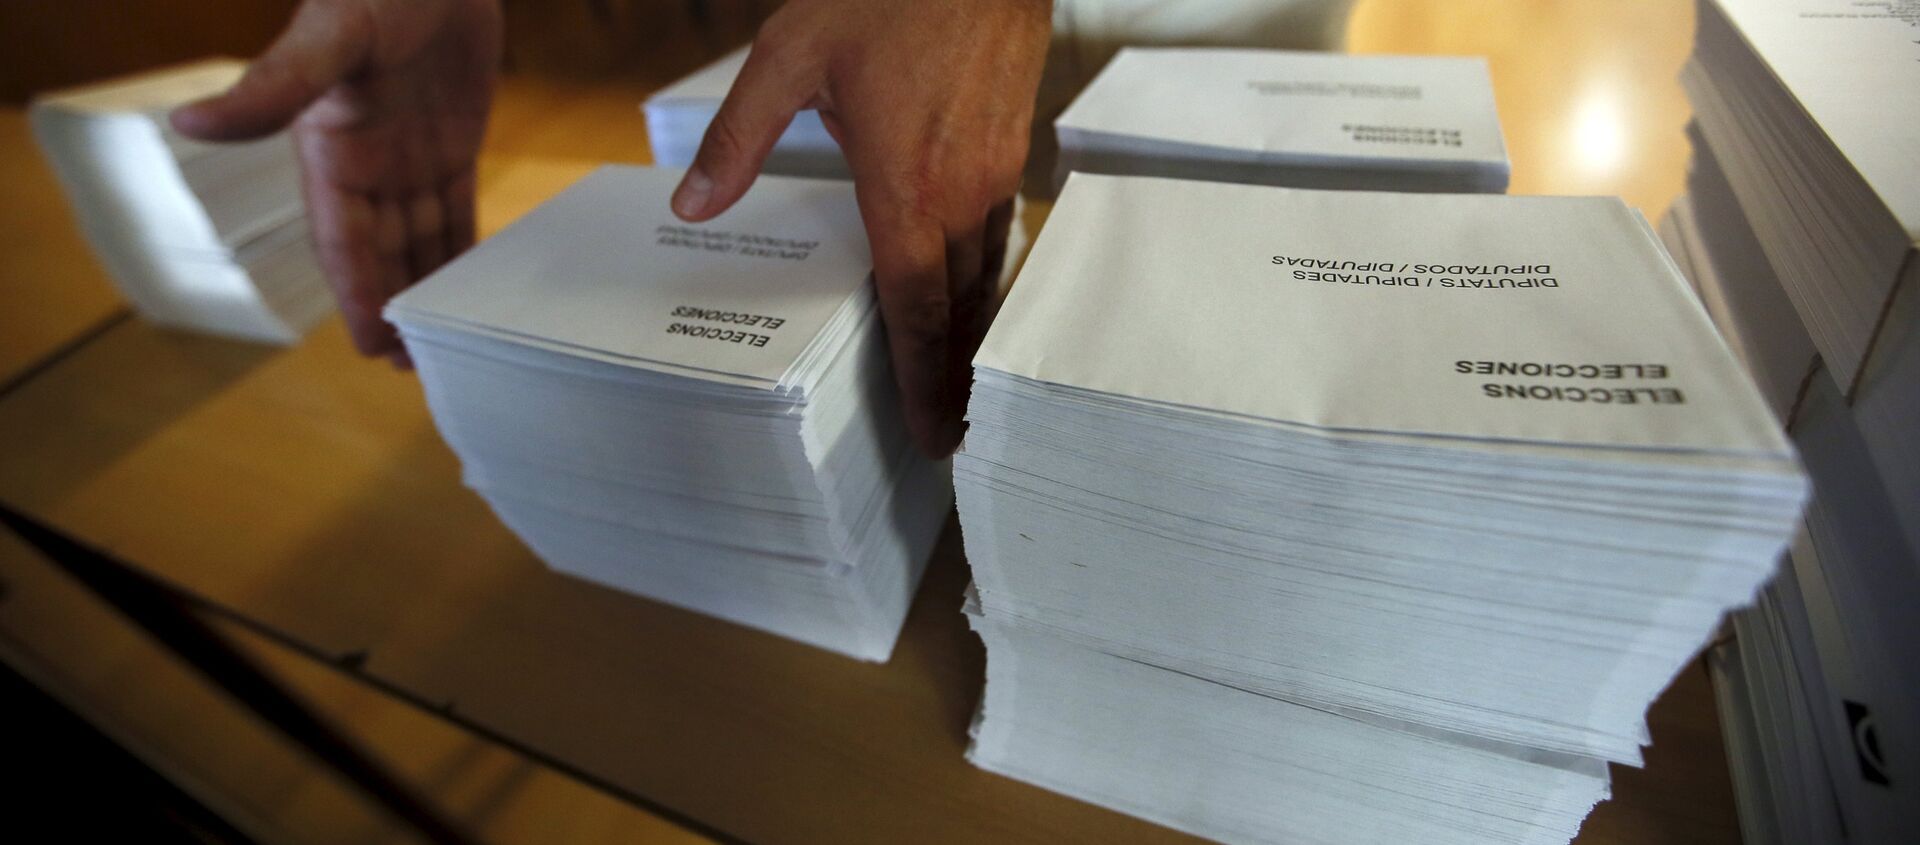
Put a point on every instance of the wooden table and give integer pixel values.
(304, 493)
(52, 292)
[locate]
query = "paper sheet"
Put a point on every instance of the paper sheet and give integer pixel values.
(1542, 319)
(1855, 68)
(1299, 104)
(607, 269)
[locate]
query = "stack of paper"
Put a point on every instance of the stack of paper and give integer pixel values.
(210, 237)
(1274, 117)
(677, 118)
(702, 414)
(1810, 111)
(1816, 698)
(1813, 698)
(1089, 33)
(1236, 765)
(1803, 218)
(1472, 469)
(1708, 235)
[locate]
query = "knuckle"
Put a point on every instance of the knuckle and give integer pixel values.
(1005, 179)
(425, 216)
(1005, 165)
(987, 192)
(348, 22)
(774, 47)
(925, 187)
(768, 43)
(724, 141)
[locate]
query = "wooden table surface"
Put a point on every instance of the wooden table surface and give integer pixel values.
(305, 493)
(52, 292)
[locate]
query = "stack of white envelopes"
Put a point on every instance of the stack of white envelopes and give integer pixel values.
(1803, 222)
(678, 115)
(1299, 119)
(1812, 114)
(1235, 765)
(209, 237)
(1813, 700)
(1422, 483)
(1707, 233)
(702, 414)
(1816, 698)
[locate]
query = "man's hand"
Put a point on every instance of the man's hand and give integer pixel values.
(391, 100)
(931, 101)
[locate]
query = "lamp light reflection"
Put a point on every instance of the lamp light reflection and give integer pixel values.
(1599, 139)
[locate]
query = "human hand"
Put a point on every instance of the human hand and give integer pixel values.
(388, 100)
(931, 101)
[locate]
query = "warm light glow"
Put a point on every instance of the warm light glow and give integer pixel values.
(1599, 135)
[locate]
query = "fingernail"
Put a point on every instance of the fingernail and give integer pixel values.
(691, 198)
(189, 120)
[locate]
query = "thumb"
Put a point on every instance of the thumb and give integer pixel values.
(325, 42)
(757, 109)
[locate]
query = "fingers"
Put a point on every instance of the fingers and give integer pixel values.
(967, 299)
(974, 263)
(775, 83)
(457, 198)
(323, 44)
(373, 248)
(994, 264)
(910, 282)
(426, 234)
(975, 303)
(362, 249)
(360, 279)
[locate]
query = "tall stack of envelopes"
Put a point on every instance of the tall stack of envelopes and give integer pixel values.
(701, 414)
(1298, 119)
(1801, 230)
(1339, 516)
(209, 237)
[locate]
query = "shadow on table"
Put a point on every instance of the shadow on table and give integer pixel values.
(62, 428)
(686, 715)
